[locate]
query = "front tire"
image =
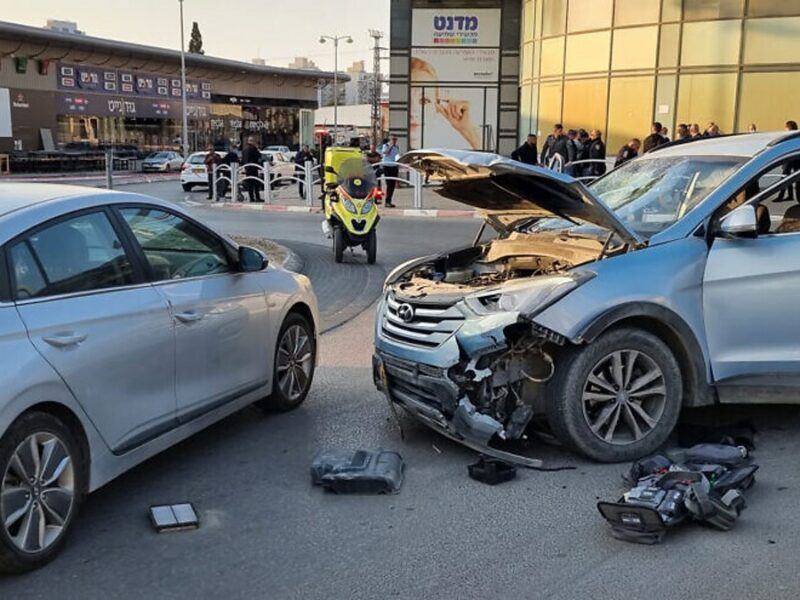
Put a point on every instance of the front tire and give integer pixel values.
(187, 187)
(371, 246)
(294, 362)
(338, 244)
(616, 399)
(44, 478)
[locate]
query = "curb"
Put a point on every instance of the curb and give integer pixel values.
(90, 180)
(390, 212)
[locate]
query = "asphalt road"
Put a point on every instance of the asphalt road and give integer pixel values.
(267, 533)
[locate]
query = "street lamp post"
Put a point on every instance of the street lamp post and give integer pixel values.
(335, 39)
(184, 116)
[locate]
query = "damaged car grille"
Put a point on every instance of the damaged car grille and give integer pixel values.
(416, 324)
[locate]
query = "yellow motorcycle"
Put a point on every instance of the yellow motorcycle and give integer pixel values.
(350, 202)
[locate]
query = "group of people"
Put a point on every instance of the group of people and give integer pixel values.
(578, 145)
(252, 159)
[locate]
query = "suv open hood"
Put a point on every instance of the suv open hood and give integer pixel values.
(495, 183)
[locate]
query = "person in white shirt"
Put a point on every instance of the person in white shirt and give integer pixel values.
(390, 152)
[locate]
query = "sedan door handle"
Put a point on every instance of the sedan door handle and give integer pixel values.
(62, 340)
(190, 316)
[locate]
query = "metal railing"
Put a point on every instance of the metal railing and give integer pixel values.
(236, 176)
(414, 178)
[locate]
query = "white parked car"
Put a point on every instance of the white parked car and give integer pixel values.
(194, 171)
(280, 166)
(163, 161)
(289, 154)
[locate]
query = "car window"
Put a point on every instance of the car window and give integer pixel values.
(174, 247)
(77, 255)
(196, 159)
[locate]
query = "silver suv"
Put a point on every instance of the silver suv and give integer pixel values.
(670, 282)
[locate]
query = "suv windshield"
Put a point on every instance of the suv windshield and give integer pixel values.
(650, 194)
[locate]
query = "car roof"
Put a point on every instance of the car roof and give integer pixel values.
(15, 196)
(745, 144)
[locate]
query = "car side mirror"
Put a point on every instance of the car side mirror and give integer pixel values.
(742, 222)
(251, 260)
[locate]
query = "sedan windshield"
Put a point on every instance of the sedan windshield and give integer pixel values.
(158, 156)
(650, 194)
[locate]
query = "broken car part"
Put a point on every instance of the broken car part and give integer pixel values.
(707, 486)
(491, 470)
(376, 471)
(174, 517)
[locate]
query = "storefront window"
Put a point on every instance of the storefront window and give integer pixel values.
(635, 48)
(711, 43)
(772, 40)
(671, 10)
(549, 107)
(670, 38)
(636, 12)
(699, 10)
(552, 56)
(554, 17)
(707, 97)
(630, 110)
(527, 21)
(589, 14)
(525, 104)
(782, 92)
(585, 103)
(773, 8)
(588, 52)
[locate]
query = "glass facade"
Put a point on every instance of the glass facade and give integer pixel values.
(618, 65)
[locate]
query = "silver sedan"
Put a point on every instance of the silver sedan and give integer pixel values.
(125, 327)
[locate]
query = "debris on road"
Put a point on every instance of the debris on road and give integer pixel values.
(376, 471)
(492, 470)
(704, 483)
(174, 517)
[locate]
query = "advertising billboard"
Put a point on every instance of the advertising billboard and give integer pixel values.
(454, 76)
(456, 27)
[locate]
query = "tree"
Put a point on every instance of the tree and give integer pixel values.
(196, 40)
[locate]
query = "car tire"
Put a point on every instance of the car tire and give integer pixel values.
(63, 481)
(371, 246)
(617, 398)
(338, 244)
(293, 365)
(187, 187)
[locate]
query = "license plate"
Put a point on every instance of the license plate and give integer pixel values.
(198, 170)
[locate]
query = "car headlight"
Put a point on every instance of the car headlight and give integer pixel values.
(350, 207)
(528, 297)
(367, 207)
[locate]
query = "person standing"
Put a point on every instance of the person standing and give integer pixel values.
(300, 159)
(391, 152)
(597, 151)
(210, 160)
(628, 152)
(373, 158)
(576, 146)
(230, 162)
(655, 139)
(251, 158)
(527, 152)
(683, 133)
(557, 143)
(792, 191)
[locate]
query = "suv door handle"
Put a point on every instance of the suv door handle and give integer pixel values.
(62, 340)
(190, 316)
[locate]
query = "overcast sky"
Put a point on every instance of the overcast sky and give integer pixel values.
(275, 30)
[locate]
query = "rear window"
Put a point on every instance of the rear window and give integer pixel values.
(196, 159)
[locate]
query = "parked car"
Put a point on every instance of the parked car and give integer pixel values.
(163, 161)
(193, 172)
(289, 154)
(280, 166)
(669, 282)
(125, 327)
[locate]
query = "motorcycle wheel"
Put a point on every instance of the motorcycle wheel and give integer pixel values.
(338, 244)
(371, 246)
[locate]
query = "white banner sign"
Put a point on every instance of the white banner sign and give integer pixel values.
(466, 65)
(460, 27)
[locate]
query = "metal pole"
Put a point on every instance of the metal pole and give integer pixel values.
(335, 88)
(185, 119)
(109, 169)
(214, 175)
(267, 181)
(308, 167)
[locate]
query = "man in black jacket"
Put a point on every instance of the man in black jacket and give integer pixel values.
(628, 152)
(597, 151)
(527, 152)
(558, 143)
(300, 160)
(252, 157)
(655, 138)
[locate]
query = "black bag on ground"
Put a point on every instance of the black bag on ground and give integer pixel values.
(358, 471)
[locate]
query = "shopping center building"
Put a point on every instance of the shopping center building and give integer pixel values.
(59, 88)
(614, 65)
